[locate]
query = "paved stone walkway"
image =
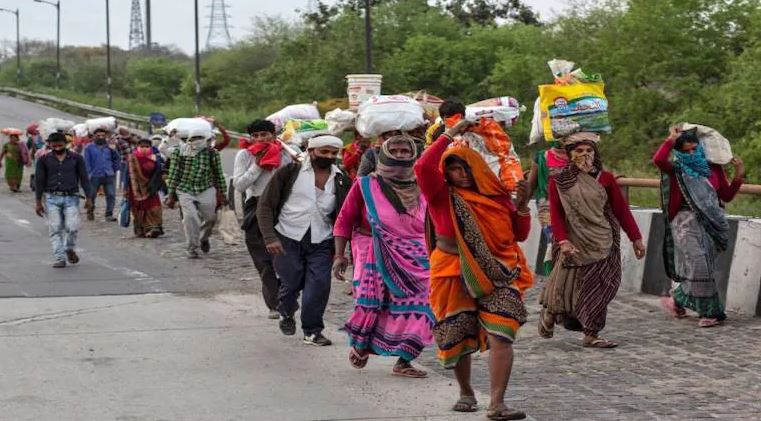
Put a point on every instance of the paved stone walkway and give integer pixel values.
(664, 369)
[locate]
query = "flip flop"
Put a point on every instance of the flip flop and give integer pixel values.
(708, 322)
(409, 371)
(357, 360)
(502, 413)
(600, 343)
(466, 404)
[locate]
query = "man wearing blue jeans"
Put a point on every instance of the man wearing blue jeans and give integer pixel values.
(58, 176)
(102, 164)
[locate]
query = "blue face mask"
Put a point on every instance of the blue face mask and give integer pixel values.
(693, 164)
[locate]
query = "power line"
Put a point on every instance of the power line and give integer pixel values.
(219, 29)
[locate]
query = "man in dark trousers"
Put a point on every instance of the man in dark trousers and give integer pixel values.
(102, 163)
(254, 167)
(296, 214)
(58, 176)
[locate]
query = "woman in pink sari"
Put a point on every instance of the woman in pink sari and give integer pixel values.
(384, 216)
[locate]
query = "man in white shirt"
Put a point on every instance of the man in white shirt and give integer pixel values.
(254, 167)
(296, 213)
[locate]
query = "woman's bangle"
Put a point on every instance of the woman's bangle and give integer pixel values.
(339, 257)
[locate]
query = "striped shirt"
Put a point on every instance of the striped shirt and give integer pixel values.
(195, 174)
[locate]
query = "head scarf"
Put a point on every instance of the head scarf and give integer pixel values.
(196, 142)
(267, 154)
(489, 258)
(396, 176)
(584, 138)
(323, 141)
(485, 180)
(695, 164)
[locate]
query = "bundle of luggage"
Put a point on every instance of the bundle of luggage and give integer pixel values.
(575, 102)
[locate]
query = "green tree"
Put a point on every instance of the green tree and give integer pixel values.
(156, 80)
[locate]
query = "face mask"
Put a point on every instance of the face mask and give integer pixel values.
(100, 141)
(585, 161)
(322, 162)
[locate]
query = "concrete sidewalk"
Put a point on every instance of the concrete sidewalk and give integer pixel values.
(167, 357)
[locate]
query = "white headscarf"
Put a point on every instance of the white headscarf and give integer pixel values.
(325, 140)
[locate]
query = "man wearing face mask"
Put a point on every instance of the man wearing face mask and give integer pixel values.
(196, 180)
(296, 213)
(58, 177)
(102, 163)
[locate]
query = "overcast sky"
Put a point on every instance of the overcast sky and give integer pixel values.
(83, 22)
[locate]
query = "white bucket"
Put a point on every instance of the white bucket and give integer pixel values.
(361, 88)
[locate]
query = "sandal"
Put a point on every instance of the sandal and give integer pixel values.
(502, 412)
(545, 331)
(356, 359)
(708, 322)
(599, 343)
(466, 404)
(407, 370)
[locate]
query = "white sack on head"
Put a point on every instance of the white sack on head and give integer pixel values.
(717, 148)
(51, 125)
(294, 112)
(183, 126)
(339, 120)
(106, 123)
(387, 113)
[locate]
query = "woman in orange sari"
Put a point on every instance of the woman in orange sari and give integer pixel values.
(478, 271)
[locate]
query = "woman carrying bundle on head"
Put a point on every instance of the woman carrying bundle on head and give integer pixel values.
(478, 270)
(692, 191)
(384, 217)
(587, 211)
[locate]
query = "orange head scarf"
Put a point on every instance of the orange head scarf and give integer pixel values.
(490, 258)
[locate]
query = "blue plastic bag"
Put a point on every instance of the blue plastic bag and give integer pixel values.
(124, 213)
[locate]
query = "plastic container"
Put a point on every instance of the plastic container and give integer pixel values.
(361, 87)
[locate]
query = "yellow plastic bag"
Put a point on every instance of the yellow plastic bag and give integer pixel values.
(575, 107)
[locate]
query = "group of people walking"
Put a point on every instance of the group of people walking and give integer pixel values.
(138, 168)
(432, 234)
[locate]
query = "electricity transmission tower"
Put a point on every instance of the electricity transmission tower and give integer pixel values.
(219, 30)
(136, 38)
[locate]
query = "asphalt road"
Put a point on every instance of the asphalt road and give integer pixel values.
(107, 266)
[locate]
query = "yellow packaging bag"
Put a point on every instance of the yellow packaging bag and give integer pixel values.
(575, 107)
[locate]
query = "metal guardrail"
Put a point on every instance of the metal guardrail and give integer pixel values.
(752, 189)
(85, 110)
